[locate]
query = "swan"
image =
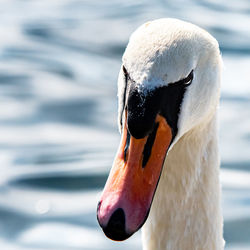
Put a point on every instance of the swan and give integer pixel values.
(165, 176)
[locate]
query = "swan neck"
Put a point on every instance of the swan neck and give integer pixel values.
(186, 211)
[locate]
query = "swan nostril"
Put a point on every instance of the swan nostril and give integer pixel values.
(115, 229)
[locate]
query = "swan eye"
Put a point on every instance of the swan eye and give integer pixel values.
(188, 80)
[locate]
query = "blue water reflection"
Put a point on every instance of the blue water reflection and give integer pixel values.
(59, 62)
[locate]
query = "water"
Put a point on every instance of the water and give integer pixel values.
(59, 62)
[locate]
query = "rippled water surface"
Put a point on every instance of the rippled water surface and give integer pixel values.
(59, 62)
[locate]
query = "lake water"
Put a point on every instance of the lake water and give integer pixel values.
(59, 62)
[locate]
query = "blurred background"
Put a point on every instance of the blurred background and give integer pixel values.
(59, 61)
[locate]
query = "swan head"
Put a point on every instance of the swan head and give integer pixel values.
(168, 84)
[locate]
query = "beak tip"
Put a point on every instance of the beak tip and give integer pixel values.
(115, 229)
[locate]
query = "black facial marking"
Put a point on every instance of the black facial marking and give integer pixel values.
(148, 146)
(171, 104)
(124, 92)
(142, 111)
(127, 146)
(142, 107)
(125, 72)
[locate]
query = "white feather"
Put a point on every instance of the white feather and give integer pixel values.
(186, 211)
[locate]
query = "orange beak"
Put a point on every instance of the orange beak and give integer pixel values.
(129, 191)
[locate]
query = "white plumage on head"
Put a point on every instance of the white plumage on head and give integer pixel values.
(186, 211)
